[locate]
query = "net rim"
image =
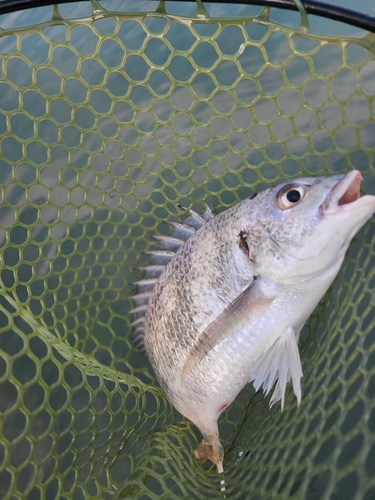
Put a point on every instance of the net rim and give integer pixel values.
(314, 7)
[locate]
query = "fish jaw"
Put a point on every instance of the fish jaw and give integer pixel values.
(344, 212)
(344, 197)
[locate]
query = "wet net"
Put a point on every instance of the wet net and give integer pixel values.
(108, 121)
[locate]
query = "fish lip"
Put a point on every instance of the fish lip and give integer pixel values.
(343, 194)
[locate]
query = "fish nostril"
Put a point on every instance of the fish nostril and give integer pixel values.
(243, 243)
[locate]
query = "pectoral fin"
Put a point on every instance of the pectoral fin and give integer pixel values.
(243, 309)
(280, 363)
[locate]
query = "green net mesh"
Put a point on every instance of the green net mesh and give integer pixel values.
(107, 121)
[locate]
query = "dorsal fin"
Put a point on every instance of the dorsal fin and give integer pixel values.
(181, 230)
(167, 247)
(196, 220)
(170, 243)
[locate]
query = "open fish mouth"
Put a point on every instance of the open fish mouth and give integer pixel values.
(343, 194)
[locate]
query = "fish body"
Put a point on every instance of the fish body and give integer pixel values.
(226, 305)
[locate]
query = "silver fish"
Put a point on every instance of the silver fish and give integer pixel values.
(226, 296)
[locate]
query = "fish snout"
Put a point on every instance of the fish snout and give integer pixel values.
(343, 195)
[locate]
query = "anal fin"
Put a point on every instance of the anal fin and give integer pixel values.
(280, 363)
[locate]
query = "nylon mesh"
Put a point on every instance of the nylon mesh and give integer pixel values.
(106, 123)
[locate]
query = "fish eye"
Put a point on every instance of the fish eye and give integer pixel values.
(289, 196)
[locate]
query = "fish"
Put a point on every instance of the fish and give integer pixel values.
(225, 296)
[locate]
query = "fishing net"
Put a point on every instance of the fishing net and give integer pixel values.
(108, 120)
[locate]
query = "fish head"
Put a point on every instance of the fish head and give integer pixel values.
(306, 224)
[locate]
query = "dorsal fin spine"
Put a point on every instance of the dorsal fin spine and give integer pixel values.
(146, 282)
(139, 309)
(138, 321)
(169, 242)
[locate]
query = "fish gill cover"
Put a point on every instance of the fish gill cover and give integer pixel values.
(108, 121)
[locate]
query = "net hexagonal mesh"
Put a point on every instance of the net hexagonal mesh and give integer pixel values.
(108, 121)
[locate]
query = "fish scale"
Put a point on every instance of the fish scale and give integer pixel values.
(237, 288)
